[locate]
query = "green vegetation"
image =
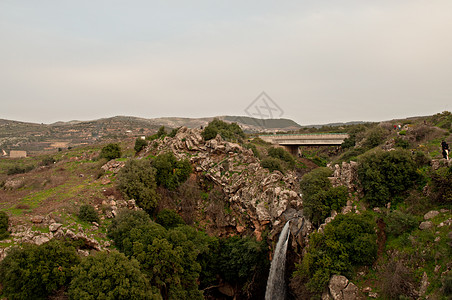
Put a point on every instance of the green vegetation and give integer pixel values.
(348, 241)
(171, 172)
(136, 180)
(320, 198)
(228, 131)
(110, 151)
(35, 272)
(139, 144)
(109, 276)
(283, 155)
(168, 218)
(385, 176)
(88, 213)
(18, 169)
(272, 164)
(4, 223)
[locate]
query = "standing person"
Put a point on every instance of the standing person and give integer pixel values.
(445, 148)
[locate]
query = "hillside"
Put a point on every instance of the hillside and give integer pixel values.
(194, 216)
(35, 138)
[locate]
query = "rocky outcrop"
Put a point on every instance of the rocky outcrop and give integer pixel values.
(340, 288)
(257, 196)
(113, 166)
(346, 174)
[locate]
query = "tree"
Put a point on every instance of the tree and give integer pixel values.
(228, 131)
(111, 151)
(280, 153)
(34, 272)
(168, 218)
(171, 172)
(109, 276)
(384, 176)
(136, 180)
(139, 144)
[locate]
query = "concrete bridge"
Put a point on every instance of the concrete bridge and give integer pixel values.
(292, 141)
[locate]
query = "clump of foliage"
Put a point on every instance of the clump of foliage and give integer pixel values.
(253, 148)
(88, 213)
(139, 144)
(168, 257)
(385, 176)
(319, 196)
(47, 161)
(4, 221)
(35, 272)
(397, 282)
(136, 180)
(168, 218)
(374, 137)
(349, 142)
(173, 132)
(109, 276)
(348, 241)
(398, 222)
(110, 151)
(441, 185)
(283, 155)
(171, 172)
(272, 164)
(241, 257)
(228, 131)
(17, 169)
(401, 143)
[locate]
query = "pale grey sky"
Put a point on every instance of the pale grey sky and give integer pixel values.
(320, 61)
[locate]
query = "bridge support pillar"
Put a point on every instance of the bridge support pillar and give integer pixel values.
(291, 149)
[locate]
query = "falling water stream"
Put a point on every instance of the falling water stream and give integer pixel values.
(276, 285)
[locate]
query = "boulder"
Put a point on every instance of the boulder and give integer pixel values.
(337, 284)
(426, 225)
(54, 227)
(431, 214)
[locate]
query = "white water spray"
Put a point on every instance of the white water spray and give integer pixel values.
(276, 284)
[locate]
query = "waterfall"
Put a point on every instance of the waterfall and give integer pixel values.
(276, 285)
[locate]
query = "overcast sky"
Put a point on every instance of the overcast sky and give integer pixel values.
(320, 61)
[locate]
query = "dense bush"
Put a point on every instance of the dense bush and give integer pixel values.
(384, 176)
(139, 144)
(109, 276)
(110, 151)
(171, 172)
(136, 180)
(16, 169)
(401, 143)
(441, 185)
(35, 272)
(283, 155)
(168, 218)
(168, 257)
(349, 142)
(47, 161)
(398, 223)
(4, 221)
(349, 240)
(228, 131)
(272, 164)
(88, 213)
(253, 148)
(241, 257)
(374, 137)
(319, 197)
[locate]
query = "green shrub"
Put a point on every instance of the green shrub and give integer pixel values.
(401, 143)
(136, 180)
(110, 151)
(253, 148)
(386, 175)
(398, 223)
(349, 142)
(88, 213)
(441, 185)
(272, 164)
(228, 131)
(241, 257)
(109, 276)
(171, 172)
(139, 145)
(168, 218)
(4, 223)
(16, 169)
(283, 155)
(374, 137)
(35, 272)
(422, 159)
(349, 240)
(48, 161)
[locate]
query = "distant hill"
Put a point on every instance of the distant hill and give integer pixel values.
(34, 137)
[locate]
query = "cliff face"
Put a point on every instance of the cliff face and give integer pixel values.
(257, 199)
